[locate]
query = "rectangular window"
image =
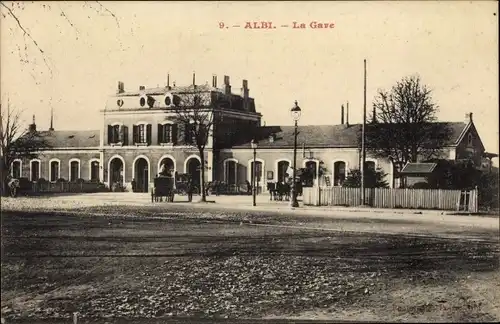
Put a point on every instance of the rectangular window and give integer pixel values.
(54, 171)
(35, 170)
(16, 169)
(167, 133)
(141, 133)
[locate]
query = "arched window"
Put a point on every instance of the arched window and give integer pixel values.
(74, 170)
(282, 169)
(17, 169)
(370, 165)
(94, 170)
(54, 170)
(35, 169)
(339, 173)
(230, 171)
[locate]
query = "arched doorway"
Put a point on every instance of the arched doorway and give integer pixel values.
(311, 172)
(141, 175)
(167, 166)
(116, 168)
(283, 166)
(193, 168)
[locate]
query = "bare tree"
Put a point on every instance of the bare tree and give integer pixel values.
(403, 124)
(194, 114)
(16, 142)
(14, 9)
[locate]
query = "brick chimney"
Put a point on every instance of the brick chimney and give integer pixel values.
(227, 85)
(121, 87)
(168, 82)
(468, 118)
(142, 88)
(244, 94)
(342, 115)
(214, 81)
(347, 115)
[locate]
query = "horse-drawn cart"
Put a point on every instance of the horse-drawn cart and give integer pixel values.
(163, 187)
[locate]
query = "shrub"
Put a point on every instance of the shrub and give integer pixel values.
(80, 180)
(60, 180)
(42, 181)
(118, 187)
(420, 185)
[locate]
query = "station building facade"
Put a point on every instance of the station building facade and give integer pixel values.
(138, 135)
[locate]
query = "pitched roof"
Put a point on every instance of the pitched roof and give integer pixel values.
(76, 139)
(418, 168)
(323, 135)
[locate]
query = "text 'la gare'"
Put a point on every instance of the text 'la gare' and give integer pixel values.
(294, 25)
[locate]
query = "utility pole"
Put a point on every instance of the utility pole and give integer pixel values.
(363, 149)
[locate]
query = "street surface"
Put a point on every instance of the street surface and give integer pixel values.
(126, 258)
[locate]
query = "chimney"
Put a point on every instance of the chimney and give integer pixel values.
(374, 115)
(51, 119)
(167, 84)
(194, 79)
(347, 115)
(142, 88)
(214, 81)
(468, 118)
(227, 85)
(121, 87)
(32, 127)
(342, 115)
(244, 94)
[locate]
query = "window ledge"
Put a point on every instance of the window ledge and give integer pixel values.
(117, 144)
(141, 144)
(167, 144)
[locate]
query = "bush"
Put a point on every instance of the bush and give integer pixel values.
(118, 187)
(61, 180)
(80, 180)
(42, 181)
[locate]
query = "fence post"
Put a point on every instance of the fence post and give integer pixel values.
(319, 193)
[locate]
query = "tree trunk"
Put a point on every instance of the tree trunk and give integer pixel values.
(202, 183)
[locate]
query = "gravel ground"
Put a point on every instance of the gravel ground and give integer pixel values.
(143, 265)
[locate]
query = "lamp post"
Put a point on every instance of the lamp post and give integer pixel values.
(295, 112)
(254, 189)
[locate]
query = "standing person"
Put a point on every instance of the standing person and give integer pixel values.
(190, 189)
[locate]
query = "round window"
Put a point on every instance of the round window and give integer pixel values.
(142, 101)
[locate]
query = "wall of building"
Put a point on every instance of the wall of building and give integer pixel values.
(473, 149)
(64, 158)
(270, 158)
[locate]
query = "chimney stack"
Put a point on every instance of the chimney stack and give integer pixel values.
(214, 81)
(374, 115)
(227, 85)
(142, 88)
(168, 82)
(342, 115)
(468, 118)
(244, 94)
(121, 87)
(32, 127)
(51, 119)
(347, 115)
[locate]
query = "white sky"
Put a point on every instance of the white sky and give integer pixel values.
(453, 46)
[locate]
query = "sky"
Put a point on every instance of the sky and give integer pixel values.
(452, 46)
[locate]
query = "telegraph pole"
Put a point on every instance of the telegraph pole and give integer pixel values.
(363, 149)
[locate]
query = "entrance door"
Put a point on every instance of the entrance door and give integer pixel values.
(141, 175)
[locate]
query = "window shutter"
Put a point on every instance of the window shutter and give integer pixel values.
(174, 134)
(120, 134)
(110, 134)
(125, 135)
(134, 137)
(160, 133)
(180, 133)
(148, 133)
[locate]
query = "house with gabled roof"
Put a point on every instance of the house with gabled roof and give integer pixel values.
(138, 137)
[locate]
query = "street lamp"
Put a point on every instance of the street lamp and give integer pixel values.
(254, 147)
(295, 112)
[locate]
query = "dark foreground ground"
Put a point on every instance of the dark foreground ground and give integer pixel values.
(197, 268)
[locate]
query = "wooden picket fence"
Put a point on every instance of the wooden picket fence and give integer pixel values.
(63, 187)
(393, 198)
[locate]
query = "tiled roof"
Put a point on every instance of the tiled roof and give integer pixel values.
(323, 135)
(419, 168)
(76, 139)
